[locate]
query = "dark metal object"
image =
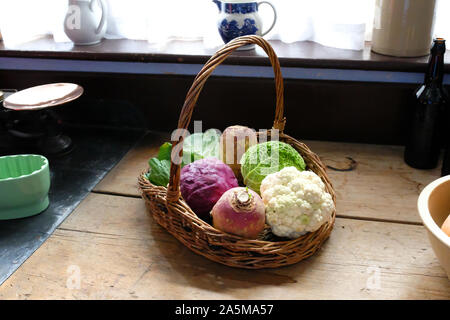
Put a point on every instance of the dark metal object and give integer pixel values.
(54, 142)
(72, 177)
(446, 164)
(55, 145)
(34, 131)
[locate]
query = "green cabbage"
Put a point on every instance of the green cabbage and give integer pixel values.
(201, 145)
(261, 160)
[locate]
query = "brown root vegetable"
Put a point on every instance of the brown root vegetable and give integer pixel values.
(234, 141)
(240, 211)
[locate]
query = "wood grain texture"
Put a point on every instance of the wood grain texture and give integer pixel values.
(382, 187)
(306, 54)
(123, 178)
(121, 252)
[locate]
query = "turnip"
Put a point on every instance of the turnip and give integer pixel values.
(234, 141)
(203, 182)
(240, 211)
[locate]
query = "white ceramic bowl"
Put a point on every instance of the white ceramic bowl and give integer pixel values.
(434, 208)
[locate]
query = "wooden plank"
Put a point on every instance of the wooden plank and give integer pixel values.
(382, 187)
(120, 252)
(123, 178)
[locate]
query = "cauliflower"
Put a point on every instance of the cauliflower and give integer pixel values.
(296, 202)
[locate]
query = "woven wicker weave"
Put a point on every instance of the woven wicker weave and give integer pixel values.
(171, 211)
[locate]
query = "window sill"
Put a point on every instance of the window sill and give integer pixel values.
(299, 54)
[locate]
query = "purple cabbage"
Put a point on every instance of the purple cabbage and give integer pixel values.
(203, 182)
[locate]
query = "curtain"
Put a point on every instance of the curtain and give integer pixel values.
(344, 24)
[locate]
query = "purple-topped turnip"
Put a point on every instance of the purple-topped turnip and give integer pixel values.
(240, 211)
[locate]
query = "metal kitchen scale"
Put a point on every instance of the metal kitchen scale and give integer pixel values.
(28, 121)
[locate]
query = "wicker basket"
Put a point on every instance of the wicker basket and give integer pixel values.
(171, 211)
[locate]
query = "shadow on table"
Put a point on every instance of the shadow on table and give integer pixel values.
(202, 273)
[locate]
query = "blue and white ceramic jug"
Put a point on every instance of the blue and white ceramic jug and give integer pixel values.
(240, 18)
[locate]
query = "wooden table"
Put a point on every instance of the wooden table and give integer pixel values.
(110, 247)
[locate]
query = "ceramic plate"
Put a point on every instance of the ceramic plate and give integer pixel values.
(44, 96)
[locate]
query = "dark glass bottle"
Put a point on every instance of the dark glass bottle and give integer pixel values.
(446, 164)
(428, 114)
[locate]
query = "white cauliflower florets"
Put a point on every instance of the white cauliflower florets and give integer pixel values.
(296, 202)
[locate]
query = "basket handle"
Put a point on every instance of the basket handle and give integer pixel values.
(173, 190)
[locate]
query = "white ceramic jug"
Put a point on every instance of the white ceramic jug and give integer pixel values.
(85, 21)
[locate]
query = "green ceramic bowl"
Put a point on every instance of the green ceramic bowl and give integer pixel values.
(24, 185)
